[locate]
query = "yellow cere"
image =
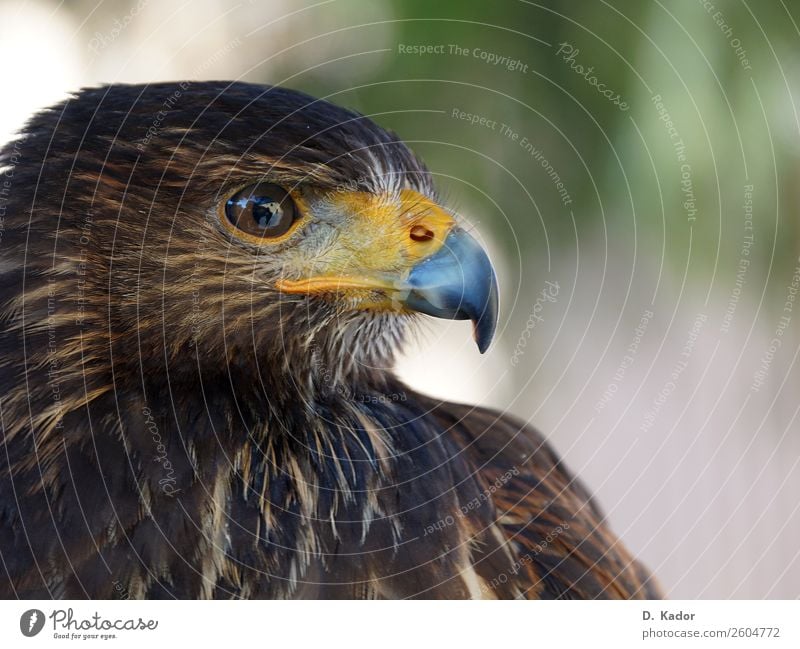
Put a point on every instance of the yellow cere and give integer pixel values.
(387, 235)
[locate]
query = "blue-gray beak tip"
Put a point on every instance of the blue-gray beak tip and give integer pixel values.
(457, 283)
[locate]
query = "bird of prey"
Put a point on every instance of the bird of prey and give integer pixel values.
(203, 287)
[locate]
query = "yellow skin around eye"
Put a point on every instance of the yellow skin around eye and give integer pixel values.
(376, 251)
(380, 250)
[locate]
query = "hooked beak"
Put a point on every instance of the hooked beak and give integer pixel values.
(407, 255)
(457, 283)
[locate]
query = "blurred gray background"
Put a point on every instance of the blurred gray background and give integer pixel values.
(636, 161)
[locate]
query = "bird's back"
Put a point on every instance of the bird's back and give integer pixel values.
(559, 538)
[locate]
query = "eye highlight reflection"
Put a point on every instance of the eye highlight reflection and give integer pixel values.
(263, 211)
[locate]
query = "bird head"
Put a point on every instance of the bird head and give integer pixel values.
(203, 224)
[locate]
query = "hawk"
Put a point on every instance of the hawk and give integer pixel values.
(203, 287)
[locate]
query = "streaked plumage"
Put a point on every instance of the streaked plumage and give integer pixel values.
(179, 423)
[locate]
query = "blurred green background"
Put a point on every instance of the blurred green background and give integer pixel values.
(674, 245)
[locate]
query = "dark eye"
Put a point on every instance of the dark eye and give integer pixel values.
(263, 210)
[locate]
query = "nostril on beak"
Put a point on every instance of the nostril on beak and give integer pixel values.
(421, 233)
